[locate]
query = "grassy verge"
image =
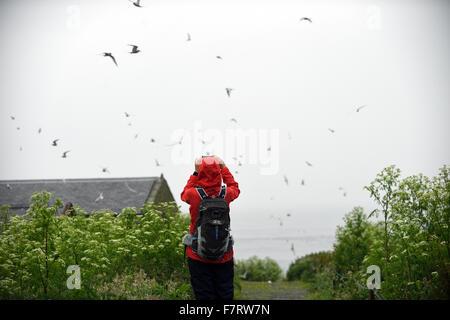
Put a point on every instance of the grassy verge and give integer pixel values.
(278, 290)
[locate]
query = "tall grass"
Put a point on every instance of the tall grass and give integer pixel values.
(119, 256)
(410, 243)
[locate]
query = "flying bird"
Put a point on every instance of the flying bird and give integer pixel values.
(269, 148)
(188, 37)
(233, 120)
(281, 222)
(54, 143)
(303, 182)
(109, 54)
(292, 248)
(288, 214)
(136, 3)
(229, 91)
(219, 57)
(157, 163)
(331, 130)
(40, 130)
(129, 188)
(18, 128)
(152, 140)
(309, 164)
(127, 114)
(65, 154)
(306, 19)
(105, 169)
(136, 135)
(175, 143)
(286, 180)
(359, 108)
(134, 49)
(13, 118)
(100, 197)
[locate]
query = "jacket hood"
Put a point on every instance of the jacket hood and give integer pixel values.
(209, 175)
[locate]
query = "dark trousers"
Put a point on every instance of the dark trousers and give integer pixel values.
(212, 281)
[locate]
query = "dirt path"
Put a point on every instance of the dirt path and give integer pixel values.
(280, 290)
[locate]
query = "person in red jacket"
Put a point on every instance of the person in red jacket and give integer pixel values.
(211, 280)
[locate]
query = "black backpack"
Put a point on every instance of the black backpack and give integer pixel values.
(212, 239)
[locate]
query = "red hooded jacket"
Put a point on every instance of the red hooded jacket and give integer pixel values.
(209, 178)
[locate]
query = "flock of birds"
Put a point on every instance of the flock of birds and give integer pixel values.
(136, 50)
(228, 92)
(54, 143)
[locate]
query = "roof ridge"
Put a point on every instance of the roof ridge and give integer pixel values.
(117, 179)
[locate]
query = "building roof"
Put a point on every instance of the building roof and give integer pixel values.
(117, 193)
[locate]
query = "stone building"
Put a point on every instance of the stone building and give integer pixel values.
(89, 194)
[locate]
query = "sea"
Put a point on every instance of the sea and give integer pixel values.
(283, 246)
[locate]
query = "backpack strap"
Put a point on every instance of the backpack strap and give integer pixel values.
(204, 195)
(201, 193)
(223, 192)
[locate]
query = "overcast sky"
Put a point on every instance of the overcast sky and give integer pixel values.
(293, 81)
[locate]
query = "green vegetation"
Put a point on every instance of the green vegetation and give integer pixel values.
(256, 269)
(306, 268)
(130, 256)
(125, 257)
(264, 290)
(410, 243)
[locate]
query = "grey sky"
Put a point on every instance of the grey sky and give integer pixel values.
(295, 77)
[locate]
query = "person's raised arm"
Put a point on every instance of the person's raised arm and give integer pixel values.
(192, 182)
(232, 186)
